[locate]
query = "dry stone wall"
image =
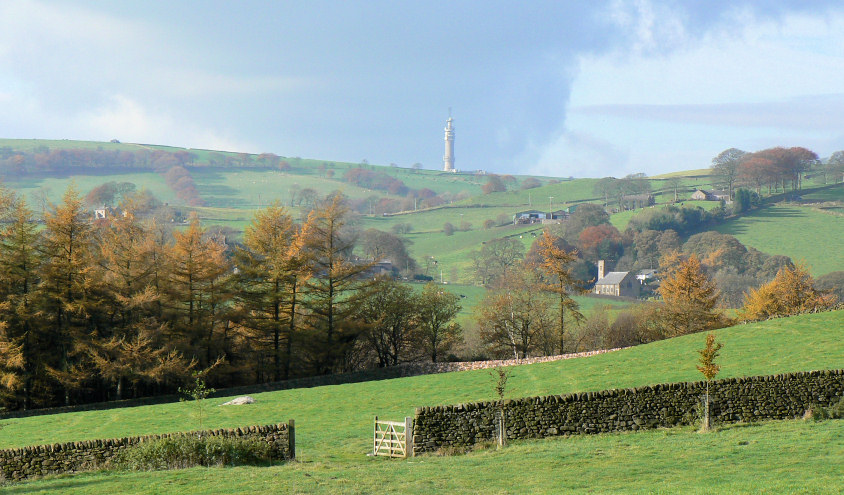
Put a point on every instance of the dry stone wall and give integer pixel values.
(72, 457)
(400, 371)
(734, 399)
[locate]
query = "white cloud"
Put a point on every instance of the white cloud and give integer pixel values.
(130, 121)
(765, 84)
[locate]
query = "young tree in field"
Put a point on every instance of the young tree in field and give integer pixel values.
(726, 167)
(515, 318)
(554, 262)
(437, 332)
(389, 312)
(709, 369)
(272, 271)
(68, 295)
(791, 292)
(334, 290)
(689, 295)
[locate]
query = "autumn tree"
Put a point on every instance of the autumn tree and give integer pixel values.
(689, 295)
(68, 296)
(335, 290)
(197, 292)
(438, 333)
(555, 262)
(515, 317)
(708, 369)
(390, 315)
(791, 292)
(493, 184)
(272, 271)
(24, 341)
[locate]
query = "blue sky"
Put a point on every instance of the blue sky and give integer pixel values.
(551, 88)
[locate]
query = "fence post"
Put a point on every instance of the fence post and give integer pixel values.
(291, 439)
(375, 436)
(408, 436)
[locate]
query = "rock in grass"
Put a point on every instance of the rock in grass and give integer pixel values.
(239, 400)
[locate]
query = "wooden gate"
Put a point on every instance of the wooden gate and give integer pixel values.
(393, 438)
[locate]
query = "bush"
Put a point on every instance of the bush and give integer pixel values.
(189, 450)
(835, 411)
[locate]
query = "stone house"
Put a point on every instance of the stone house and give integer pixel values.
(616, 283)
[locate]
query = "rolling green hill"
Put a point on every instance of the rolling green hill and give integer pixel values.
(797, 231)
(334, 429)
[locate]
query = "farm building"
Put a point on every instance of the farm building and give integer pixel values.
(714, 195)
(616, 283)
(536, 216)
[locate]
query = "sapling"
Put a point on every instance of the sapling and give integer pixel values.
(197, 392)
(500, 389)
(709, 369)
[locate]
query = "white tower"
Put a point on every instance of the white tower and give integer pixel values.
(448, 158)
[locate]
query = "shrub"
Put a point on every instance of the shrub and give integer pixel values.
(188, 450)
(835, 411)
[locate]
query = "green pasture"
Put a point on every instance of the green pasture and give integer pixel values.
(54, 187)
(834, 193)
(333, 430)
(802, 233)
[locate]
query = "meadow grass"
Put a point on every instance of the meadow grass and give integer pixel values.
(770, 457)
(334, 423)
(791, 344)
(801, 233)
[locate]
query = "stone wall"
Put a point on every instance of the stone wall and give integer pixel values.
(72, 457)
(400, 371)
(666, 405)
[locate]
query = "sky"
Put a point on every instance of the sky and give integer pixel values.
(557, 88)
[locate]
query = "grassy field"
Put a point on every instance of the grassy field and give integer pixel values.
(334, 422)
(799, 232)
(793, 457)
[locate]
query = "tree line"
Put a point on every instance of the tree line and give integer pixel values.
(128, 306)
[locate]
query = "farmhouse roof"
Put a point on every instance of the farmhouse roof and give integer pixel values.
(612, 278)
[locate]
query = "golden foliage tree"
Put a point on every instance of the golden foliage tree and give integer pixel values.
(272, 270)
(554, 263)
(791, 292)
(709, 369)
(690, 297)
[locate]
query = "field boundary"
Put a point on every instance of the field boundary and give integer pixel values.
(746, 399)
(72, 457)
(388, 373)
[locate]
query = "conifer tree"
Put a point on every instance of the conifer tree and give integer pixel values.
(690, 297)
(791, 292)
(68, 290)
(334, 290)
(22, 339)
(197, 293)
(271, 273)
(554, 263)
